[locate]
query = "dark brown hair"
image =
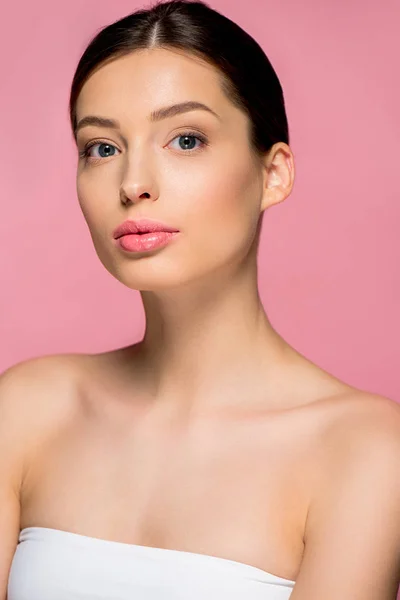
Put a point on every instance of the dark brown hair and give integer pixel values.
(193, 27)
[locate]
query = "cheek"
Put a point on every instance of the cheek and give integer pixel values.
(92, 198)
(98, 214)
(223, 207)
(84, 192)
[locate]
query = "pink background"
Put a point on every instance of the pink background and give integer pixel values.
(329, 256)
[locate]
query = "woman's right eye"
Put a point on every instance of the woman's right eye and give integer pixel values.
(106, 150)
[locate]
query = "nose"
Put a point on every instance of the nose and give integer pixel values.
(137, 184)
(134, 195)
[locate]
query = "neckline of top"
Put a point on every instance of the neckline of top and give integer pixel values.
(27, 532)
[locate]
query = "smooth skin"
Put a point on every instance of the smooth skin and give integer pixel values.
(212, 434)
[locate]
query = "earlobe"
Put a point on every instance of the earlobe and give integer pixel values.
(272, 196)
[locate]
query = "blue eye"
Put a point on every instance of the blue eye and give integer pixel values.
(187, 137)
(86, 151)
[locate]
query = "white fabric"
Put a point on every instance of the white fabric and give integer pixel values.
(50, 564)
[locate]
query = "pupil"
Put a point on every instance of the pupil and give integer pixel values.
(188, 138)
(108, 147)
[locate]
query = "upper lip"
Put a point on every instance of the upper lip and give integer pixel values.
(141, 226)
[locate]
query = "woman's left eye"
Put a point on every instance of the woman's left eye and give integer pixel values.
(187, 141)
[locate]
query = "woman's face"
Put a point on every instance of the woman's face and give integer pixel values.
(209, 188)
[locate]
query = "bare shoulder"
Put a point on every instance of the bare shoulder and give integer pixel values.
(353, 521)
(361, 431)
(37, 397)
(368, 435)
(42, 376)
(362, 416)
(34, 393)
(24, 391)
(36, 368)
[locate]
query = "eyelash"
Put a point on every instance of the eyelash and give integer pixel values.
(85, 153)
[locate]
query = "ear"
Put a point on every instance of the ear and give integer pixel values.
(278, 175)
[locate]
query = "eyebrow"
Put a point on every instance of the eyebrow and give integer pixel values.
(157, 115)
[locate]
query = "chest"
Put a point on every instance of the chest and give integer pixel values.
(231, 487)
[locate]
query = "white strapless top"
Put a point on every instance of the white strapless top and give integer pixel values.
(50, 564)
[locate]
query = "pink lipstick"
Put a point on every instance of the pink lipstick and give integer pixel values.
(143, 235)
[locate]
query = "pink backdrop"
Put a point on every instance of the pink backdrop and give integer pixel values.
(329, 256)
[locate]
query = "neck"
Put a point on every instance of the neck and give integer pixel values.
(208, 344)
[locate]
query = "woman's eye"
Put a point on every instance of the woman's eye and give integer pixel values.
(105, 152)
(187, 141)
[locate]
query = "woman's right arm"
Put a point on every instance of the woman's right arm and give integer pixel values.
(14, 388)
(35, 397)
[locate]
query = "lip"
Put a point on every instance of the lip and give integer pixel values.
(141, 226)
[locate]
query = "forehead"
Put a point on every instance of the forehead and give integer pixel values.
(144, 80)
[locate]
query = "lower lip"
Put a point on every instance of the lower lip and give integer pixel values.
(146, 241)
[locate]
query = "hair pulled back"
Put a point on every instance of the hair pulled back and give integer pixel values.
(193, 27)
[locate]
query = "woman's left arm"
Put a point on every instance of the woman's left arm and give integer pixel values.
(352, 539)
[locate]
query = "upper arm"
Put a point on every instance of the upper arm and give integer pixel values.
(31, 394)
(10, 470)
(352, 541)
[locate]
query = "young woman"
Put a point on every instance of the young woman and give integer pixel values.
(210, 459)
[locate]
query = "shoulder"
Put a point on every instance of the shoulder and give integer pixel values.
(358, 417)
(355, 425)
(352, 414)
(34, 395)
(368, 435)
(38, 377)
(353, 521)
(360, 440)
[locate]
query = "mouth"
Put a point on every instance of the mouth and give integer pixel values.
(145, 242)
(141, 227)
(140, 233)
